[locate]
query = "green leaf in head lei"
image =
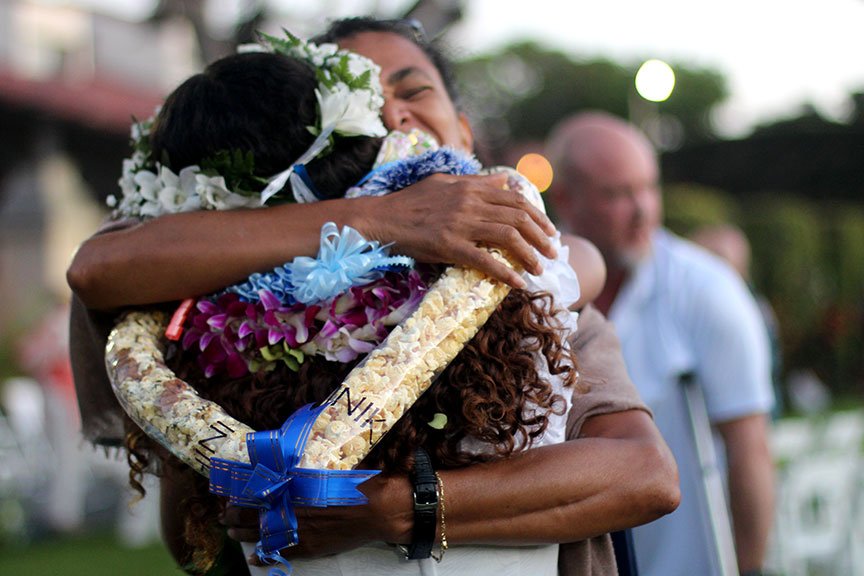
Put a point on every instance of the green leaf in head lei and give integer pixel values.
(349, 98)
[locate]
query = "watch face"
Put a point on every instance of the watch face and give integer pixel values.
(425, 495)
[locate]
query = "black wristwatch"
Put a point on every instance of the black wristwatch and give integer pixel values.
(425, 506)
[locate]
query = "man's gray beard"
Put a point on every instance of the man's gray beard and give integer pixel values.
(629, 260)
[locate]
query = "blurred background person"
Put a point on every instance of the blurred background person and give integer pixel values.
(680, 315)
(731, 244)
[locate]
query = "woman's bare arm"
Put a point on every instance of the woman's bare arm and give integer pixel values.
(440, 219)
(561, 493)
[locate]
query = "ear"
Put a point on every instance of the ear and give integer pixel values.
(466, 134)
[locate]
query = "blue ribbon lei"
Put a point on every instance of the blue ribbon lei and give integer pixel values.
(273, 483)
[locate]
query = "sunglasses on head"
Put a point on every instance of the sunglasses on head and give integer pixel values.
(412, 26)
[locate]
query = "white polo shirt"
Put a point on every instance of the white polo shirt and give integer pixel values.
(686, 311)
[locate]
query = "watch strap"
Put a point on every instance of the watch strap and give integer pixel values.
(425, 486)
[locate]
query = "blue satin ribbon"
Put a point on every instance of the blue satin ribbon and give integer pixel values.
(300, 170)
(344, 260)
(273, 483)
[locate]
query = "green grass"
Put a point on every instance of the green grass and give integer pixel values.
(86, 556)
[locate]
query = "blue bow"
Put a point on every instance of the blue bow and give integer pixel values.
(273, 483)
(345, 259)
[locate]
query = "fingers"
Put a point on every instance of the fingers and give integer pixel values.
(497, 193)
(480, 259)
(519, 234)
(503, 218)
(450, 219)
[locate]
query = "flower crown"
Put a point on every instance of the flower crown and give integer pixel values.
(349, 98)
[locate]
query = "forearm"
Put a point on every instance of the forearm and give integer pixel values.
(442, 219)
(561, 493)
(573, 491)
(184, 255)
(618, 474)
(751, 490)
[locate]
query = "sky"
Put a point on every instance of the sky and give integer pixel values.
(777, 55)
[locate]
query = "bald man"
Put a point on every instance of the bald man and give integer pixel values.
(680, 313)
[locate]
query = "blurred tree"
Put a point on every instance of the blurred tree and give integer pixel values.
(697, 92)
(522, 91)
(844, 323)
(213, 44)
(789, 240)
(688, 207)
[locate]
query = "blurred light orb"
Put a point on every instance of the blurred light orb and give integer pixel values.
(537, 169)
(655, 80)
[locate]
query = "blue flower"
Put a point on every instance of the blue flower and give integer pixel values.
(400, 174)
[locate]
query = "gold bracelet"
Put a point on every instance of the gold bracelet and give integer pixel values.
(443, 546)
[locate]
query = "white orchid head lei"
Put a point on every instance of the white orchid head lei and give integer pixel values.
(349, 98)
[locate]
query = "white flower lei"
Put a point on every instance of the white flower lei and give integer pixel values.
(349, 104)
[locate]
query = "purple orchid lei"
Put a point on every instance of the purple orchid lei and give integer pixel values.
(236, 337)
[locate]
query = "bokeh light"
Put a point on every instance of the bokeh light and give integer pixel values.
(655, 80)
(537, 169)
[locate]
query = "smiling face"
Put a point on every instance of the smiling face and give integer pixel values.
(415, 95)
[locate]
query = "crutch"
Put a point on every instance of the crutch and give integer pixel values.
(712, 482)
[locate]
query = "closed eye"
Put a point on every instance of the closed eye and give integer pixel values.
(414, 92)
